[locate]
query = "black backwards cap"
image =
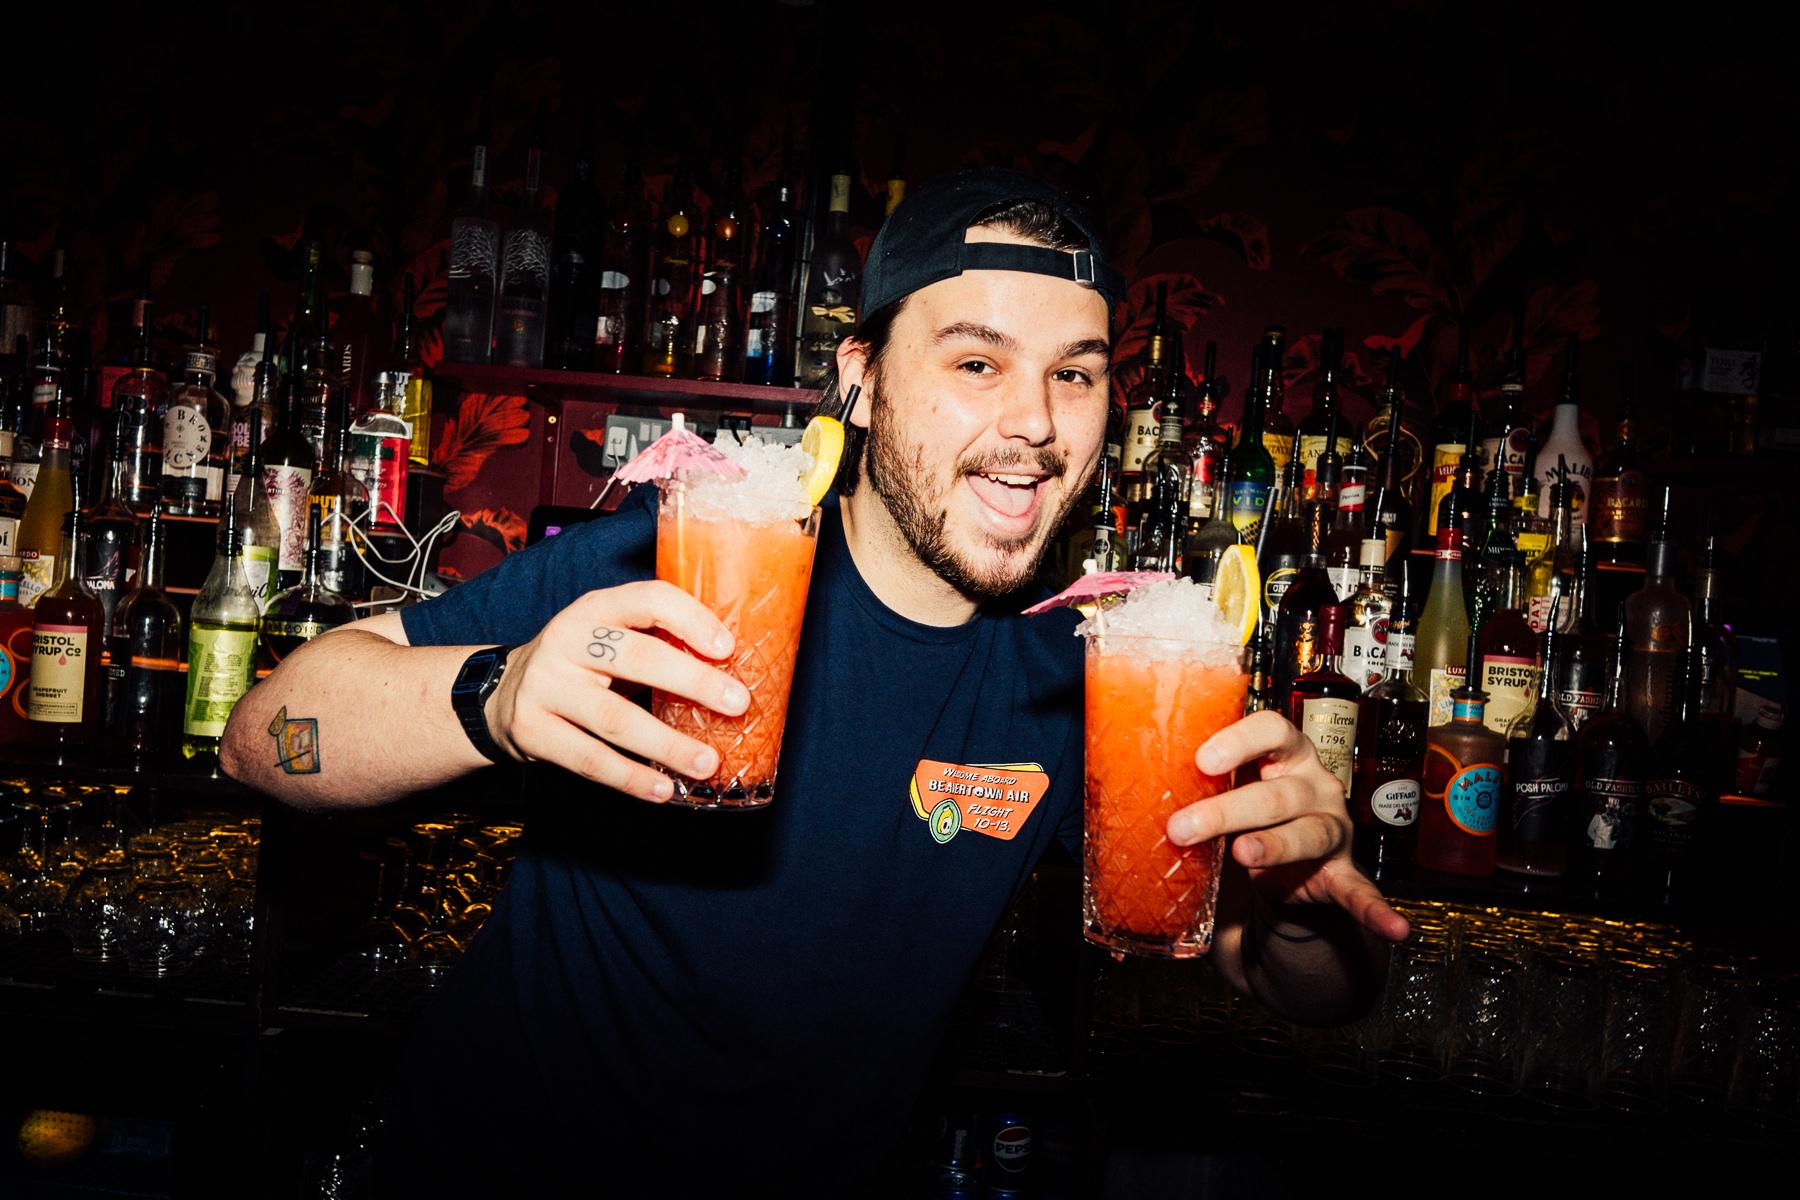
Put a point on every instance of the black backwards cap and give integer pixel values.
(922, 239)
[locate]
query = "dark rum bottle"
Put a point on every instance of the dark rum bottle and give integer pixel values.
(1324, 703)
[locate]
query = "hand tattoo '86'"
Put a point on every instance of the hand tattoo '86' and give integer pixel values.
(605, 644)
(297, 741)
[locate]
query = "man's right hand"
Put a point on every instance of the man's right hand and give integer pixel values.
(556, 702)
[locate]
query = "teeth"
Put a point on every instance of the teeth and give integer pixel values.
(1014, 480)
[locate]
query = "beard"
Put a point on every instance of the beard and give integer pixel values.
(897, 471)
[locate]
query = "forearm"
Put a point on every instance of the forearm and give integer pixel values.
(382, 726)
(1310, 963)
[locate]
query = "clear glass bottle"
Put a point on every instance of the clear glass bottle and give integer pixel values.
(624, 270)
(668, 329)
(108, 561)
(196, 432)
(221, 650)
(834, 290)
(1658, 627)
(287, 472)
(250, 389)
(142, 399)
(1369, 611)
(474, 271)
(769, 334)
(1141, 425)
(1324, 425)
(719, 299)
(341, 502)
(519, 324)
(1208, 444)
(256, 522)
(1277, 426)
(379, 441)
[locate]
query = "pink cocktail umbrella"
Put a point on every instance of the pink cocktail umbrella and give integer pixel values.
(1096, 586)
(678, 450)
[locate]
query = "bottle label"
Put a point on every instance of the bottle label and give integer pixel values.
(615, 281)
(38, 577)
(1344, 581)
(1535, 810)
(1674, 812)
(1140, 438)
(58, 673)
(1281, 449)
(262, 573)
(1444, 680)
(24, 477)
(1365, 653)
(9, 532)
(1331, 725)
(1311, 446)
(286, 488)
(1611, 803)
(221, 665)
(1511, 684)
(307, 630)
(1276, 585)
(186, 439)
(1396, 802)
(1400, 651)
(1247, 500)
(1472, 798)
(1449, 548)
(1531, 543)
(1444, 460)
(1352, 497)
(1620, 510)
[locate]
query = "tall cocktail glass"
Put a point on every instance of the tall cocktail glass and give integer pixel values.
(749, 561)
(1153, 698)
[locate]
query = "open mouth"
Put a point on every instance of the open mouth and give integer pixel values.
(1010, 496)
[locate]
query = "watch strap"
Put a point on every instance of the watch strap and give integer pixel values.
(475, 682)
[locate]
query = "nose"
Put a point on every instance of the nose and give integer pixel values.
(1025, 413)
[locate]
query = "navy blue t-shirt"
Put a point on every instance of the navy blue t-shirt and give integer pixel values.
(748, 993)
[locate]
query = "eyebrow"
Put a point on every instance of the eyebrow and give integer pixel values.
(976, 331)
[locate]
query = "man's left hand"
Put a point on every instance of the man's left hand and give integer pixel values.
(1292, 831)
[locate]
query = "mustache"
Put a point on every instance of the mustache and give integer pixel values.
(1050, 463)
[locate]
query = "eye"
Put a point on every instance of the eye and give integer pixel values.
(1075, 375)
(979, 366)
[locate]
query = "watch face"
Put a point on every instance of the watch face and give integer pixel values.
(474, 673)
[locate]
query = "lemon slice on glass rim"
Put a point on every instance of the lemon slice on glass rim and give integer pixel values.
(1236, 588)
(823, 441)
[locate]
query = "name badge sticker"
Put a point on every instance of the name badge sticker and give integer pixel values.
(992, 799)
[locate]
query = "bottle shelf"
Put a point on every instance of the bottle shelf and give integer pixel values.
(656, 390)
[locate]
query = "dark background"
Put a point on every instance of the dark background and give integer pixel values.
(1396, 168)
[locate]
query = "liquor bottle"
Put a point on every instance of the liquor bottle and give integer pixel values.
(45, 378)
(221, 650)
(1540, 768)
(196, 432)
(769, 326)
(1277, 426)
(1658, 628)
(310, 317)
(1343, 541)
(1464, 493)
(575, 269)
(1299, 622)
(1368, 611)
(41, 528)
(1142, 426)
(144, 680)
(408, 361)
(243, 375)
(68, 636)
(298, 614)
(15, 655)
(1323, 701)
(260, 531)
(1439, 665)
(1758, 759)
(1403, 624)
(1507, 439)
(1168, 472)
(12, 503)
(1283, 544)
(1552, 568)
(1162, 537)
(1509, 657)
(1390, 769)
(1679, 796)
(474, 271)
(1390, 516)
(1208, 444)
(1453, 434)
(141, 398)
(719, 307)
(668, 329)
(1323, 426)
(1498, 560)
(1619, 509)
(1260, 695)
(379, 441)
(287, 472)
(1612, 756)
(15, 400)
(833, 290)
(1210, 542)
(358, 335)
(524, 271)
(107, 565)
(341, 501)
(624, 271)
(15, 308)
(1465, 780)
(1715, 659)
(1565, 440)
(319, 393)
(1108, 548)
(1582, 653)
(256, 392)
(1252, 470)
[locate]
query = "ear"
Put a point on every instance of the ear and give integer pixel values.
(852, 371)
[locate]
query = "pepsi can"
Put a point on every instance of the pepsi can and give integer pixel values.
(1006, 1154)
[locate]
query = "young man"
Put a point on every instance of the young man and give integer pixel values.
(753, 997)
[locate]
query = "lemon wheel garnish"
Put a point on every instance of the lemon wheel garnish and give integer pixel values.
(1235, 589)
(823, 441)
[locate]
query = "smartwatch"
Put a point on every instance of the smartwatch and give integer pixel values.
(475, 682)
